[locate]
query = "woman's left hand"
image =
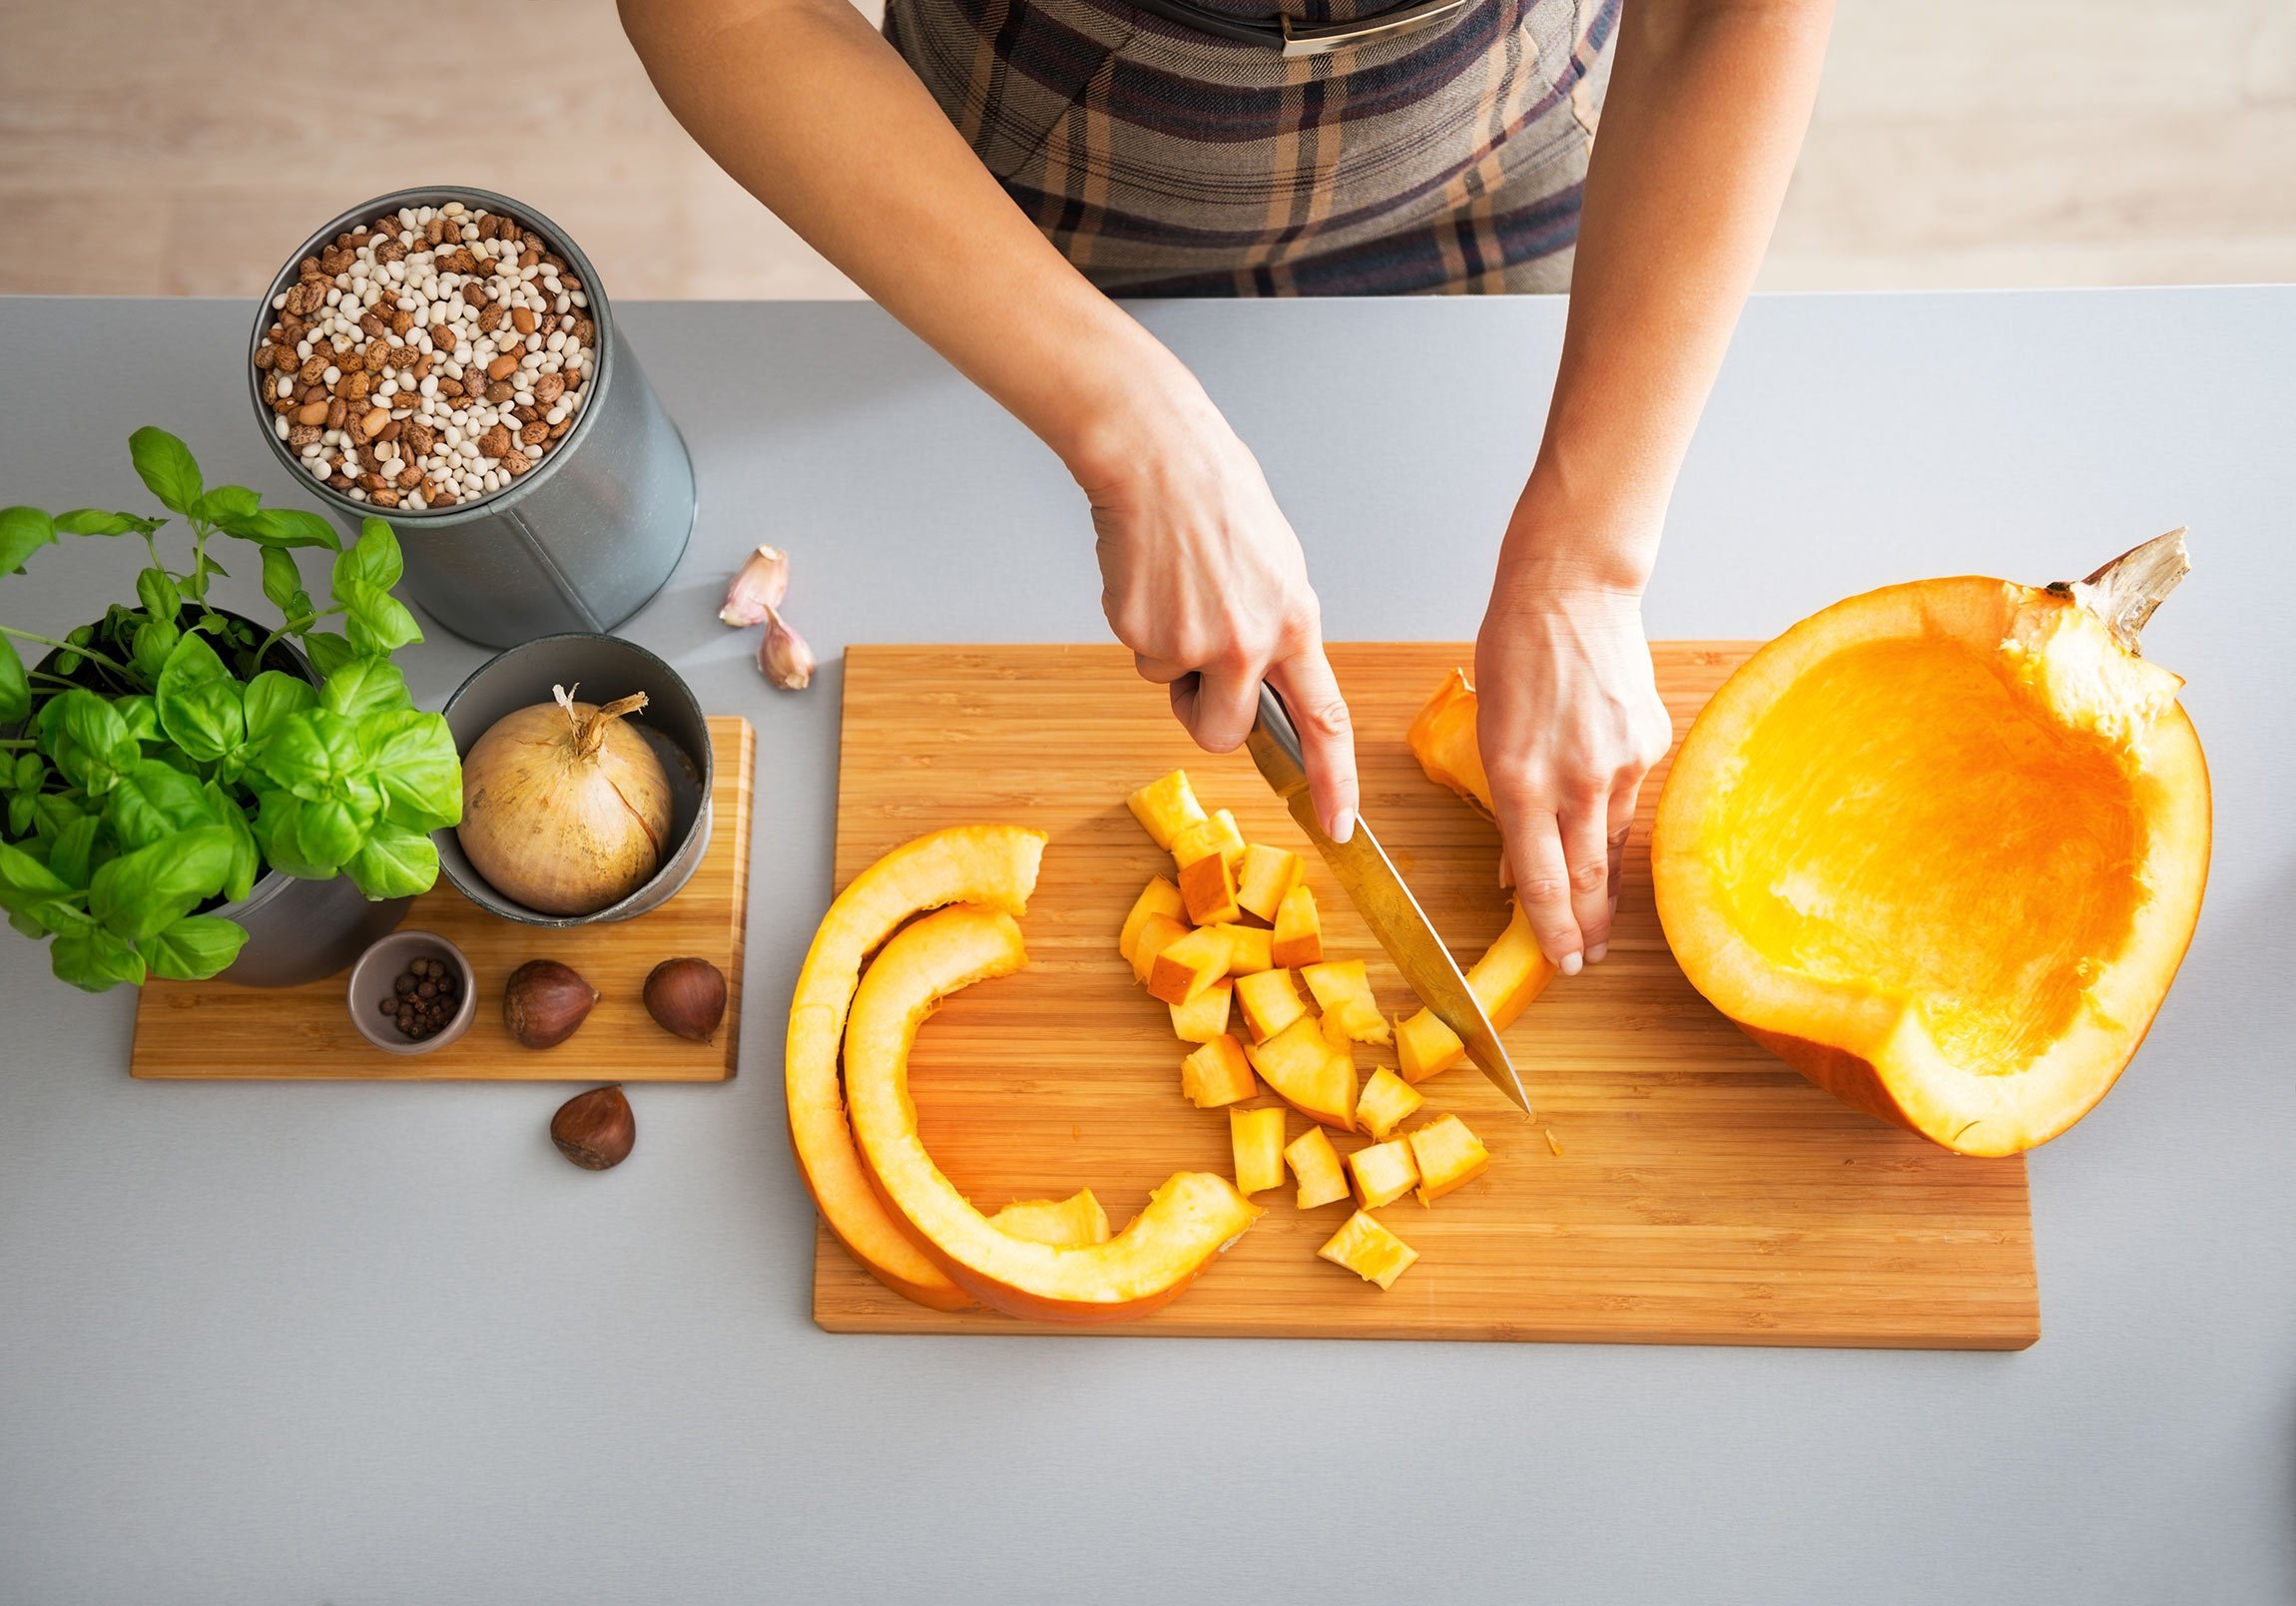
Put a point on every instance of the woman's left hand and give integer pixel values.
(1569, 721)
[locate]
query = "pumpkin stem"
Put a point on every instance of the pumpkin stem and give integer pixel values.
(590, 729)
(2124, 592)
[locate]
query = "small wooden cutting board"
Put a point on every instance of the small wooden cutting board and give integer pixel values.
(212, 1030)
(1704, 1193)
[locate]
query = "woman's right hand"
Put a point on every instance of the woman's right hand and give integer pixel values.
(1203, 580)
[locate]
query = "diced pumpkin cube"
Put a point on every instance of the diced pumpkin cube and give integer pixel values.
(1204, 1016)
(1270, 1002)
(1307, 1073)
(1266, 875)
(1426, 1046)
(1214, 835)
(1342, 987)
(1299, 929)
(1316, 1167)
(1384, 1173)
(1157, 933)
(1165, 807)
(1188, 966)
(1509, 975)
(1070, 1222)
(1387, 1102)
(1208, 887)
(1250, 949)
(1370, 1251)
(1447, 1155)
(1158, 898)
(1256, 1138)
(1217, 1074)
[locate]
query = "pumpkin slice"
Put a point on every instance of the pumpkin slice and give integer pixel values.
(1317, 1166)
(1062, 1223)
(1507, 978)
(1204, 1016)
(1383, 1172)
(1941, 846)
(1387, 1102)
(1217, 1074)
(1188, 1221)
(1257, 1139)
(1311, 1075)
(1370, 1251)
(991, 865)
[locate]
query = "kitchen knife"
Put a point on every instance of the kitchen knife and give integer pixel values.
(1380, 896)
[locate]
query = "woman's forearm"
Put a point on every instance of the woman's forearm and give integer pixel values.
(818, 117)
(1706, 109)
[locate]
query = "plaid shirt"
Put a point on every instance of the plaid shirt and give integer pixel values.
(1168, 162)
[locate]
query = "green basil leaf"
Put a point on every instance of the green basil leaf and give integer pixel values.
(227, 502)
(31, 772)
(272, 697)
(72, 855)
(156, 590)
(313, 754)
(15, 685)
(373, 560)
(331, 832)
(247, 859)
(328, 650)
(138, 894)
(166, 469)
(412, 756)
(23, 531)
(395, 862)
(54, 812)
(95, 521)
(24, 878)
(192, 660)
(21, 813)
(288, 527)
(205, 718)
(94, 960)
(366, 686)
(278, 831)
(282, 581)
(195, 948)
(154, 801)
(375, 621)
(140, 715)
(154, 639)
(100, 747)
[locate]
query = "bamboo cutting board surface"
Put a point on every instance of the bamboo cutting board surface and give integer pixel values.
(1704, 1194)
(211, 1030)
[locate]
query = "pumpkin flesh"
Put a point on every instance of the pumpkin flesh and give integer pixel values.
(1941, 847)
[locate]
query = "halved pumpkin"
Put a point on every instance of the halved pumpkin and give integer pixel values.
(1188, 1220)
(1941, 846)
(991, 865)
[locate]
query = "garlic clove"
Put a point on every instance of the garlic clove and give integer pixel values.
(758, 587)
(783, 657)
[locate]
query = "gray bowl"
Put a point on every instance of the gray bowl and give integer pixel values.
(605, 667)
(380, 966)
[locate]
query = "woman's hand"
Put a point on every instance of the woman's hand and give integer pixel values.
(1569, 721)
(1203, 580)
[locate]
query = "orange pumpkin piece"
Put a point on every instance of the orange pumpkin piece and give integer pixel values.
(1370, 1251)
(1316, 1166)
(1255, 1137)
(1250, 949)
(1299, 936)
(1266, 875)
(1217, 1074)
(1158, 898)
(1270, 1002)
(1941, 847)
(1061, 1223)
(1166, 806)
(1187, 965)
(1307, 1073)
(1157, 933)
(1387, 1103)
(1449, 1155)
(1384, 1173)
(1205, 1017)
(1511, 975)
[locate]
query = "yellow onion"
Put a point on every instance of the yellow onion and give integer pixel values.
(565, 808)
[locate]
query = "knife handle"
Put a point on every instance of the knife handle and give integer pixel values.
(1274, 745)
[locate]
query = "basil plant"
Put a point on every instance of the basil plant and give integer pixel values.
(154, 763)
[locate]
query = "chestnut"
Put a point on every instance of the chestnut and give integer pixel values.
(595, 1130)
(545, 1002)
(687, 997)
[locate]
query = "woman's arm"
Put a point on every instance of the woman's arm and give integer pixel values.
(819, 119)
(1707, 103)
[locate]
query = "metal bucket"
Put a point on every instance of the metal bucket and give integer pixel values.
(605, 667)
(585, 539)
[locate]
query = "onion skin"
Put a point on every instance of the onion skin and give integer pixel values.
(565, 807)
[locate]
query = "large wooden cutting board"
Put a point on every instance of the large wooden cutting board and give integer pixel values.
(1704, 1192)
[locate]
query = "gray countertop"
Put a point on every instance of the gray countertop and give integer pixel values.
(364, 1342)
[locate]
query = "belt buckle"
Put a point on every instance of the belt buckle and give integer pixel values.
(1325, 40)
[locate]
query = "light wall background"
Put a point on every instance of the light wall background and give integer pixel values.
(153, 147)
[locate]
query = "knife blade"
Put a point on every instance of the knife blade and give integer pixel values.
(1385, 900)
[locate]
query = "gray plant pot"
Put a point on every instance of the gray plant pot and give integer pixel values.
(584, 540)
(605, 667)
